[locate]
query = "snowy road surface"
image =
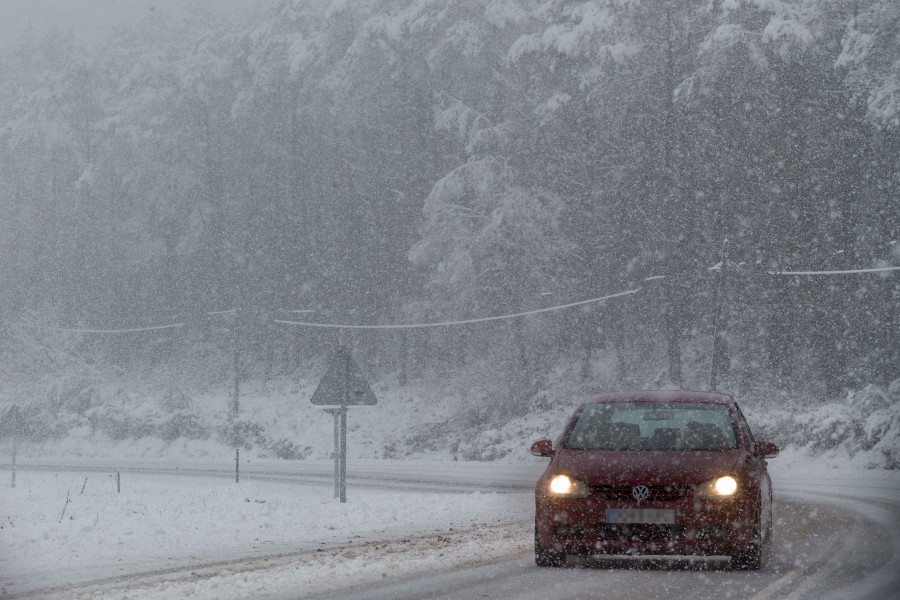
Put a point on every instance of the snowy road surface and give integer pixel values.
(408, 531)
(820, 552)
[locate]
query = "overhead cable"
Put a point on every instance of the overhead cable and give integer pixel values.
(68, 330)
(846, 272)
(127, 330)
(442, 323)
(461, 322)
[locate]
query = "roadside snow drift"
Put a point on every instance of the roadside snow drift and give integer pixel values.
(73, 529)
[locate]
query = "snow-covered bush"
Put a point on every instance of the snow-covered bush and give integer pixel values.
(115, 423)
(881, 426)
(866, 423)
(248, 434)
(242, 433)
(180, 424)
(287, 450)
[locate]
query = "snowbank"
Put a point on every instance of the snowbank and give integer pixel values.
(862, 431)
(70, 529)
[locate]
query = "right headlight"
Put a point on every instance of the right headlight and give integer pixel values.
(564, 486)
(714, 489)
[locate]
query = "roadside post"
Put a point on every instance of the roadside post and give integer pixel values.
(343, 385)
(13, 425)
(336, 414)
(236, 395)
(717, 311)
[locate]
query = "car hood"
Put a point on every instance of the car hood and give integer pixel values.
(649, 468)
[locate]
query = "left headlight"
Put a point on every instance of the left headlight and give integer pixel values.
(568, 487)
(720, 487)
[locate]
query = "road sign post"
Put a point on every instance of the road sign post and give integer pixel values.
(335, 414)
(343, 476)
(13, 425)
(343, 385)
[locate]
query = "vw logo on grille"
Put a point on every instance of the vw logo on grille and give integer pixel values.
(640, 492)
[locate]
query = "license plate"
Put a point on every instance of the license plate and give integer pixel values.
(640, 515)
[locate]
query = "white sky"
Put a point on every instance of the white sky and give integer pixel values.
(92, 20)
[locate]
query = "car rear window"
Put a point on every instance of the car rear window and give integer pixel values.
(667, 426)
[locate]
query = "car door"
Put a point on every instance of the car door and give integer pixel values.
(760, 472)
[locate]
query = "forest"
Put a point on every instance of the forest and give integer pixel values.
(404, 162)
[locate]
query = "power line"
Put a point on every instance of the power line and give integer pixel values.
(68, 330)
(339, 326)
(849, 271)
(442, 323)
(462, 322)
(127, 330)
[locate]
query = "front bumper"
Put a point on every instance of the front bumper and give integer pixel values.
(709, 527)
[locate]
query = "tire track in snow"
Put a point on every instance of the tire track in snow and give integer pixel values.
(871, 548)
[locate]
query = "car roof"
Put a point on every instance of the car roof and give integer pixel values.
(661, 396)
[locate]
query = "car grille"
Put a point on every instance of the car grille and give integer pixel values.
(658, 493)
(653, 532)
(569, 531)
(639, 532)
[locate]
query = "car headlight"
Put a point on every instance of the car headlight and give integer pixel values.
(720, 487)
(568, 487)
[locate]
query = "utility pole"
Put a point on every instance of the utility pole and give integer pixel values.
(344, 400)
(403, 378)
(13, 425)
(236, 335)
(717, 307)
(235, 399)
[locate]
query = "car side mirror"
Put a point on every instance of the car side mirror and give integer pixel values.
(766, 449)
(542, 448)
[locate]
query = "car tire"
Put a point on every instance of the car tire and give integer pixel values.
(544, 557)
(750, 557)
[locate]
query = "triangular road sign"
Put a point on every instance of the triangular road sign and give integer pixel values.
(343, 383)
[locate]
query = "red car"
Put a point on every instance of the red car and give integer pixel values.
(655, 472)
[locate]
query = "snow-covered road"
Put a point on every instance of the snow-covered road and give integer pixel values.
(828, 546)
(409, 530)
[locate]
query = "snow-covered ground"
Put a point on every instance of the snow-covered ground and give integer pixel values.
(70, 534)
(418, 502)
(67, 528)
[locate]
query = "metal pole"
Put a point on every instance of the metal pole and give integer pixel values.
(236, 393)
(403, 378)
(717, 299)
(343, 452)
(235, 401)
(337, 452)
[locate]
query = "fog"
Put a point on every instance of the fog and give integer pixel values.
(515, 204)
(496, 208)
(91, 22)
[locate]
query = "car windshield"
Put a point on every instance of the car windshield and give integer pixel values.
(672, 426)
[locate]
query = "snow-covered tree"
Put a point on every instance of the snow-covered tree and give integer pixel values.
(871, 55)
(488, 242)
